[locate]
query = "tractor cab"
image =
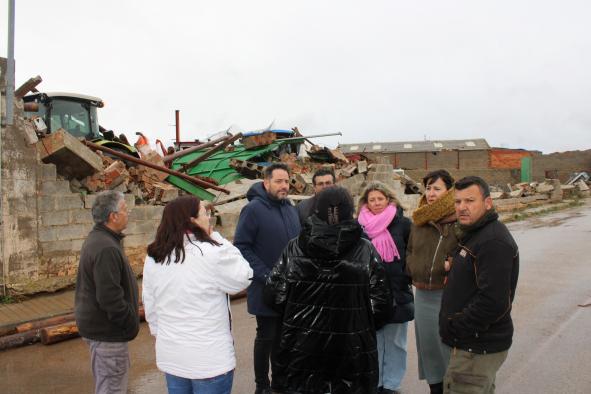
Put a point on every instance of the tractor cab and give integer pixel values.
(75, 113)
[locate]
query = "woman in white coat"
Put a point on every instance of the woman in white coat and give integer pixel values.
(188, 275)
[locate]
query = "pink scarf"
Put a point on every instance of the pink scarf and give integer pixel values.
(376, 227)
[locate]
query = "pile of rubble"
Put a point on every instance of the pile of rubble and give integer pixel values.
(521, 195)
(92, 172)
(92, 168)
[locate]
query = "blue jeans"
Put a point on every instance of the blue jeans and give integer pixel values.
(392, 355)
(221, 384)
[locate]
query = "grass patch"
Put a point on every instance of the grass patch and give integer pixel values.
(6, 299)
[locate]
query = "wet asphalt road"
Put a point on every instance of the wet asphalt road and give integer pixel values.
(551, 351)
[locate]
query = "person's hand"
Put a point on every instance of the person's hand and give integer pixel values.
(447, 264)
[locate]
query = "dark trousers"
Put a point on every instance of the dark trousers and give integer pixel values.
(266, 345)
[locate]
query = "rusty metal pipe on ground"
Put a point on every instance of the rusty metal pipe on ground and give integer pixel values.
(132, 159)
(181, 153)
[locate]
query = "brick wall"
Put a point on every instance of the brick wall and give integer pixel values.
(560, 165)
(474, 159)
(507, 158)
(492, 176)
(435, 160)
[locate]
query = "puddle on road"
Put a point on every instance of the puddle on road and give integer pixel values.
(551, 220)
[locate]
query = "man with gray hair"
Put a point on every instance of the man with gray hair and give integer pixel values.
(106, 299)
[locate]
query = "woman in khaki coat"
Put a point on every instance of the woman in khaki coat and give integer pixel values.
(432, 240)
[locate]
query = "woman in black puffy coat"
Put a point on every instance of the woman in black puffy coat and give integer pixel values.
(331, 291)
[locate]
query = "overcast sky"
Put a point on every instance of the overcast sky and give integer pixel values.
(517, 73)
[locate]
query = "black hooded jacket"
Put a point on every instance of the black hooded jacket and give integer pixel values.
(332, 293)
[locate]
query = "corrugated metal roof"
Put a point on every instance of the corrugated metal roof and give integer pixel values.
(415, 146)
(217, 166)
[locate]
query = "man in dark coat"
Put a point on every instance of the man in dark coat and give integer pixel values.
(332, 292)
(475, 317)
(321, 179)
(106, 299)
(265, 226)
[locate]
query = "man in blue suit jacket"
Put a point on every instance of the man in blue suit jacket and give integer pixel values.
(266, 225)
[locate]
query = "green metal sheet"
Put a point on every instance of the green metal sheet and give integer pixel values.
(218, 165)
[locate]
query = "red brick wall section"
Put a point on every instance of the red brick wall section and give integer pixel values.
(507, 158)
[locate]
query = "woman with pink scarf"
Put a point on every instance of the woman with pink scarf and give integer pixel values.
(382, 219)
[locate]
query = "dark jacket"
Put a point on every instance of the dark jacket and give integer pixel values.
(475, 311)
(398, 278)
(428, 247)
(331, 290)
(306, 209)
(106, 298)
(264, 228)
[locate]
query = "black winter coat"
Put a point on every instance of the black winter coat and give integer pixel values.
(331, 290)
(398, 278)
(264, 228)
(475, 311)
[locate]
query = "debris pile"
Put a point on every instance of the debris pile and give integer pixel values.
(522, 195)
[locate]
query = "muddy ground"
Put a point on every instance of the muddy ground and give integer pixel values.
(551, 351)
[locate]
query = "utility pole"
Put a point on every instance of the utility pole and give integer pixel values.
(10, 66)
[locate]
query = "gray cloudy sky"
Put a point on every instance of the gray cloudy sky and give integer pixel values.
(514, 72)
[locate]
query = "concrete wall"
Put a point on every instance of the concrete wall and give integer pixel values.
(65, 220)
(560, 165)
(19, 255)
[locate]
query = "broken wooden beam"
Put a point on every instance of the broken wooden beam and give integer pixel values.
(192, 179)
(19, 339)
(59, 333)
(52, 321)
(28, 86)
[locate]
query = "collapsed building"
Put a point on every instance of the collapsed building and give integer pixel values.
(49, 182)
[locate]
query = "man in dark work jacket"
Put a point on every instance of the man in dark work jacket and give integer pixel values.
(106, 299)
(265, 226)
(475, 316)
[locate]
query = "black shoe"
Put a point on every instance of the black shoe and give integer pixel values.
(388, 391)
(436, 388)
(263, 390)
